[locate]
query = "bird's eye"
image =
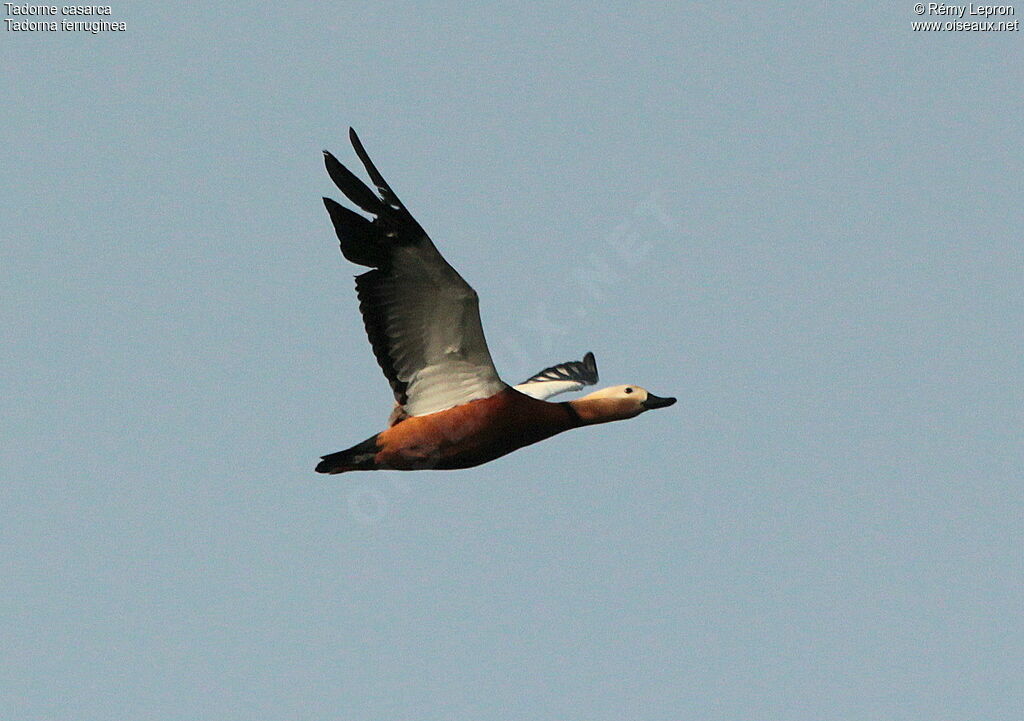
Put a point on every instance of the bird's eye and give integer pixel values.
(629, 390)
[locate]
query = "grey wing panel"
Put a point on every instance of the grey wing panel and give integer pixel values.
(421, 317)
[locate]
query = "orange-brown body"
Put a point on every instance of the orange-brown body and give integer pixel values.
(472, 433)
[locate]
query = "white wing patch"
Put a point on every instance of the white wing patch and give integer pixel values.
(561, 378)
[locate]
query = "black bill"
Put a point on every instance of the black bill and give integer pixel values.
(654, 401)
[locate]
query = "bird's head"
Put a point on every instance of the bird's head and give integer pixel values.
(617, 403)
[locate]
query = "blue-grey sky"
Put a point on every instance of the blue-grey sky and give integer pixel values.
(804, 221)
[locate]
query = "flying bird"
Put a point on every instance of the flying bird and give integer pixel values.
(423, 321)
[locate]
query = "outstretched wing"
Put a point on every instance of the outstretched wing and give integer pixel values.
(422, 318)
(562, 378)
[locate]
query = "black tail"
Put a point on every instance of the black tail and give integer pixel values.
(359, 457)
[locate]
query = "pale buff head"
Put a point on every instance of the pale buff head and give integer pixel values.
(618, 403)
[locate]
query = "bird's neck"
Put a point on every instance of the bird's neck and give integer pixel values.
(590, 411)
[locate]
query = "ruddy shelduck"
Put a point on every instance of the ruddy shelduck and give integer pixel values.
(423, 321)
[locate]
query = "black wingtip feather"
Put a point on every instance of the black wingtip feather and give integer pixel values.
(353, 188)
(356, 235)
(382, 185)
